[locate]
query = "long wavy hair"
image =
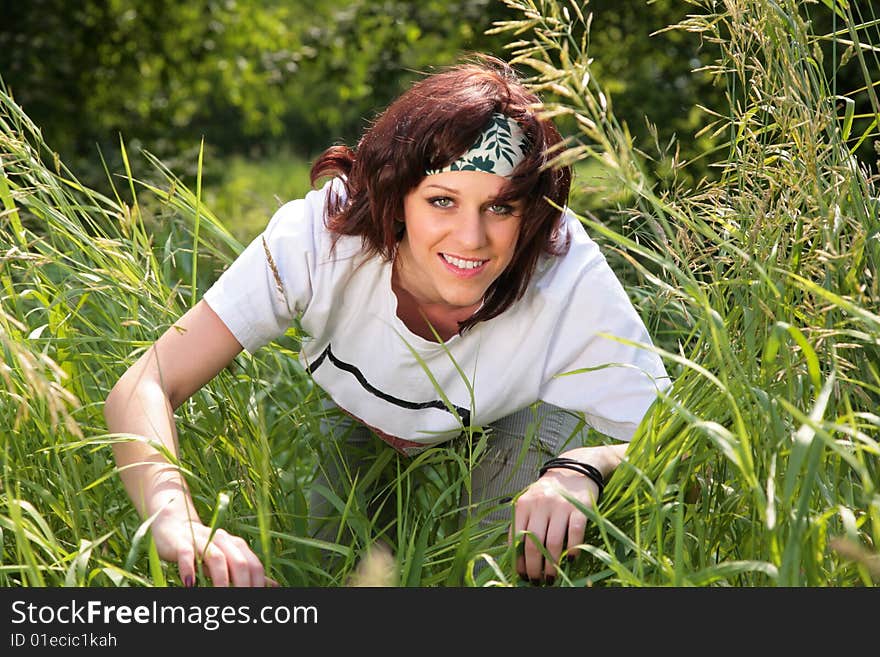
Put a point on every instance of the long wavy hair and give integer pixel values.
(431, 124)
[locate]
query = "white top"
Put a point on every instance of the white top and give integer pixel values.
(413, 392)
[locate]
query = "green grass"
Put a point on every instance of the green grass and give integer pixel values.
(760, 467)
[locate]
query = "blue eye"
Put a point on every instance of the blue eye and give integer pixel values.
(500, 208)
(441, 201)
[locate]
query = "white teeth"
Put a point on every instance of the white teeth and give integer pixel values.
(462, 264)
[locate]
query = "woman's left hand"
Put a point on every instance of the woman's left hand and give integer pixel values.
(544, 516)
(551, 520)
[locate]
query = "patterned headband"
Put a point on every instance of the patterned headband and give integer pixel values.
(499, 148)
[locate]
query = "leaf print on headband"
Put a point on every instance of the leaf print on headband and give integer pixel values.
(498, 149)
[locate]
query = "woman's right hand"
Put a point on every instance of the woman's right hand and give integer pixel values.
(227, 560)
(141, 404)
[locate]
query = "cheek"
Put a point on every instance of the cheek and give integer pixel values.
(421, 236)
(507, 239)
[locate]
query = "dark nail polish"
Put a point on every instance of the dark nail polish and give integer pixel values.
(549, 581)
(188, 582)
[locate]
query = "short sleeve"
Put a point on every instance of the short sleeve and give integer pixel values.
(620, 381)
(271, 281)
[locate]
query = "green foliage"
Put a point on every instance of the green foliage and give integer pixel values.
(155, 70)
(243, 74)
(760, 466)
(251, 76)
(247, 192)
(366, 53)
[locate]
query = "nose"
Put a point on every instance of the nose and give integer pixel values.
(470, 230)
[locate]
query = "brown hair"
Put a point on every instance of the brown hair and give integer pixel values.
(427, 127)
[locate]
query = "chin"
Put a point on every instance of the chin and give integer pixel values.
(460, 301)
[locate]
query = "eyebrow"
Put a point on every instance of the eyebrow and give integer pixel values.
(455, 191)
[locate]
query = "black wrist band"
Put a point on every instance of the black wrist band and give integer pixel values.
(585, 469)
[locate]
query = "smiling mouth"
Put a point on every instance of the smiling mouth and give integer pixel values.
(461, 263)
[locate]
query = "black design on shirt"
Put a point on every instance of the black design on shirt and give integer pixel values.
(463, 413)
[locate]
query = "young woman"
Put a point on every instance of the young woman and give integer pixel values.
(434, 260)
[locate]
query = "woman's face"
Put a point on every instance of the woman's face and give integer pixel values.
(458, 240)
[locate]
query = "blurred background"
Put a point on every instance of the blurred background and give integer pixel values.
(269, 84)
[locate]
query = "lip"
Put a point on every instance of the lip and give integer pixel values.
(458, 271)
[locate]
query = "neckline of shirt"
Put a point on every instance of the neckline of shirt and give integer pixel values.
(414, 340)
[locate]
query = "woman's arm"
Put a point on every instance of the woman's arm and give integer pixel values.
(544, 511)
(142, 403)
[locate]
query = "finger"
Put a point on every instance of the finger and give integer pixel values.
(214, 561)
(254, 565)
(577, 527)
(235, 552)
(520, 522)
(557, 531)
(534, 541)
(186, 565)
